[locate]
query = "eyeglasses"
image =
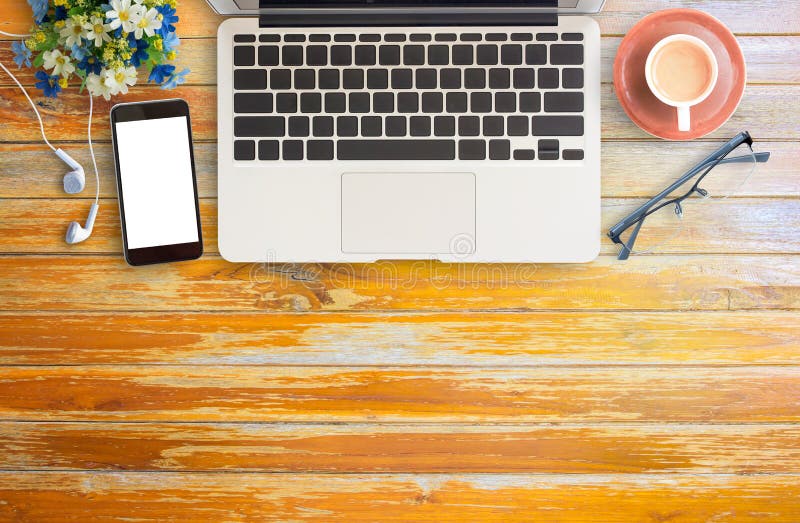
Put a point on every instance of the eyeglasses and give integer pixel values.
(719, 176)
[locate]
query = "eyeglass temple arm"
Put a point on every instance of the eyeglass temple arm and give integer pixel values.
(627, 248)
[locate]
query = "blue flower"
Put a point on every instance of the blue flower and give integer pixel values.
(140, 54)
(77, 52)
(168, 18)
(48, 84)
(161, 73)
(90, 64)
(22, 55)
(40, 8)
(176, 79)
(61, 13)
(171, 41)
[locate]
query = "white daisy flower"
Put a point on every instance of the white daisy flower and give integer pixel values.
(148, 24)
(118, 80)
(73, 32)
(96, 84)
(124, 14)
(59, 63)
(97, 30)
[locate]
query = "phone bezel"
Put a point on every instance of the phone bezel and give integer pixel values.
(154, 110)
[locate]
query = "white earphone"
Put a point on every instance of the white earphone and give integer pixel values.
(74, 180)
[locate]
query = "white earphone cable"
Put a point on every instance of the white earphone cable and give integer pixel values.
(35, 110)
(13, 35)
(91, 151)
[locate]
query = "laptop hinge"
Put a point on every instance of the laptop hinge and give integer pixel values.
(368, 19)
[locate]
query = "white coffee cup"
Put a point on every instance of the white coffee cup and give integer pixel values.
(681, 71)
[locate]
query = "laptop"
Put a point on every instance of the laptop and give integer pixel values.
(364, 130)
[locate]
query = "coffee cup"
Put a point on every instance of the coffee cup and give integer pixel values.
(681, 71)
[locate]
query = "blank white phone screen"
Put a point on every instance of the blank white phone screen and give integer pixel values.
(157, 186)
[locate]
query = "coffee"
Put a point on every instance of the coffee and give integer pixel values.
(682, 71)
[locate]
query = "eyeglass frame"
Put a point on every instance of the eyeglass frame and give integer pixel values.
(637, 217)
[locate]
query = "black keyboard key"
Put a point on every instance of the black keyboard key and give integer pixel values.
(530, 102)
(480, 102)
(329, 79)
(426, 79)
(572, 37)
(251, 126)
(407, 102)
(319, 38)
(341, 55)
(456, 102)
(471, 37)
(505, 102)
(563, 102)
(244, 55)
(347, 126)
(293, 150)
(524, 154)
(496, 37)
(548, 149)
(438, 55)
(420, 37)
(450, 79)
(268, 55)
(310, 103)
(469, 126)
(444, 126)
(252, 103)
(402, 78)
(353, 78)
(546, 37)
(244, 38)
(268, 150)
(493, 126)
(499, 78)
(572, 154)
(383, 103)
(359, 102)
(572, 78)
(521, 37)
(511, 54)
(557, 125)
(366, 55)
(463, 55)
(486, 54)
(535, 54)
(322, 126)
(316, 55)
(499, 149)
(319, 150)
(269, 38)
(377, 79)
(344, 38)
(371, 37)
(396, 150)
(395, 126)
(292, 55)
(548, 78)
(517, 126)
(280, 79)
(445, 37)
(304, 79)
(335, 103)
(249, 79)
(299, 126)
(524, 78)
(475, 78)
(371, 126)
(432, 102)
(566, 54)
(294, 38)
(420, 126)
(394, 37)
(244, 150)
(286, 102)
(471, 150)
(413, 55)
(389, 55)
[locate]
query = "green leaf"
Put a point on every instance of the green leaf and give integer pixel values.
(39, 60)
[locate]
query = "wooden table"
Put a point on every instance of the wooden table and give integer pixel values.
(664, 388)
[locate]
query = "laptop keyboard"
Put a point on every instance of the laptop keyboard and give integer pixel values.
(398, 96)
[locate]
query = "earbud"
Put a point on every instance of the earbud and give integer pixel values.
(77, 233)
(75, 180)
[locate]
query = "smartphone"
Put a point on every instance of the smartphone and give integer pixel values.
(156, 182)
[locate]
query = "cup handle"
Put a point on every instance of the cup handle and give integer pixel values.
(684, 119)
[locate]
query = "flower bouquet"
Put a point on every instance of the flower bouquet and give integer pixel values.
(101, 45)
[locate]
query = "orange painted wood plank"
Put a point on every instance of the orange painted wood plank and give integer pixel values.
(583, 449)
(214, 497)
(460, 339)
(32, 283)
(313, 394)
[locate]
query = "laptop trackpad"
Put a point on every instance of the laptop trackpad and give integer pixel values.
(413, 213)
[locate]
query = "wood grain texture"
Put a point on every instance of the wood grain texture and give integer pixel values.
(343, 394)
(582, 449)
(479, 339)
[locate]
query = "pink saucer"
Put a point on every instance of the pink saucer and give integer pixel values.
(657, 118)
